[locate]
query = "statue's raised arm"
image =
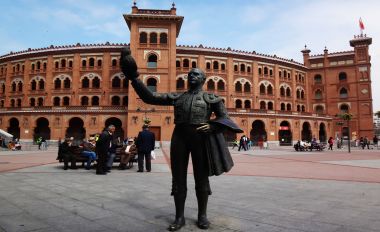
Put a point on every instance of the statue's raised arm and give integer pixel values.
(129, 68)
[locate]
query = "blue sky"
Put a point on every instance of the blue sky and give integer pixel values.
(280, 27)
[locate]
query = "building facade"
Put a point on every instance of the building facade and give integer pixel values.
(78, 90)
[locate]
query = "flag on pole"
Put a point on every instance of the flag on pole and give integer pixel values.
(361, 24)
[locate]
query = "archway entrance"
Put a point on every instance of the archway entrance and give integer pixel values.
(285, 134)
(119, 132)
(76, 129)
(258, 132)
(306, 132)
(14, 128)
(322, 133)
(42, 129)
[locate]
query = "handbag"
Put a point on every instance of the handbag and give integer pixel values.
(152, 155)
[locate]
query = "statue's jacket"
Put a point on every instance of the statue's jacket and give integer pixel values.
(195, 108)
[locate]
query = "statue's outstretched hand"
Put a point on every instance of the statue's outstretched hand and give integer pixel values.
(128, 64)
(206, 128)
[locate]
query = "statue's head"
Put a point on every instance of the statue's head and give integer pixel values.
(196, 78)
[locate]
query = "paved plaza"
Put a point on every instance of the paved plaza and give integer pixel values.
(267, 190)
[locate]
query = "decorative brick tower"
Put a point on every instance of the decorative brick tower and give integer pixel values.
(153, 44)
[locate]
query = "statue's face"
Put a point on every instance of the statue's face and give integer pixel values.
(195, 77)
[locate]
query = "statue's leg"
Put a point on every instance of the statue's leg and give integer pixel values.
(202, 184)
(179, 158)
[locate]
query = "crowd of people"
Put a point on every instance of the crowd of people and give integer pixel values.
(246, 143)
(104, 148)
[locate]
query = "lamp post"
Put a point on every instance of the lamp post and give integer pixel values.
(347, 117)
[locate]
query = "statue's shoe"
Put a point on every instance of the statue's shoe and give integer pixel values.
(177, 224)
(203, 223)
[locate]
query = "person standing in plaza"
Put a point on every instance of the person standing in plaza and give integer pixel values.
(331, 143)
(103, 144)
(145, 145)
(375, 141)
(243, 143)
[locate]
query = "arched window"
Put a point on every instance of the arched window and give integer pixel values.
(302, 94)
(85, 83)
(318, 94)
(242, 68)
(344, 108)
(210, 85)
(115, 101)
(38, 66)
(125, 101)
(95, 101)
(114, 63)
(282, 106)
(247, 87)
(177, 63)
(63, 63)
(32, 102)
(303, 108)
(180, 84)
(343, 93)
(265, 71)
(66, 101)
(248, 69)
(116, 82)
(40, 101)
(84, 101)
(91, 62)
(57, 83)
(152, 61)
(84, 63)
(288, 93)
(260, 71)
(152, 84)
(208, 65)
(153, 38)
(33, 67)
(56, 101)
(223, 66)
(317, 79)
(33, 85)
(282, 91)
(270, 72)
(185, 63)
(3, 88)
(163, 38)
(70, 64)
(56, 65)
(215, 65)
(288, 107)
(342, 76)
(99, 63)
(143, 37)
(13, 86)
(238, 87)
(235, 68)
(270, 105)
(19, 86)
(13, 103)
(41, 84)
(263, 105)
(262, 89)
(270, 90)
(298, 108)
(221, 86)
(319, 109)
(2, 103)
(298, 94)
(19, 102)
(67, 83)
(96, 83)
(193, 64)
(238, 104)
(247, 104)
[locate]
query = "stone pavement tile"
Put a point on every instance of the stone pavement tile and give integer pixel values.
(126, 223)
(44, 210)
(74, 223)
(6, 208)
(21, 222)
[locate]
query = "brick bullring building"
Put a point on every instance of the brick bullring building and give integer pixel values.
(77, 90)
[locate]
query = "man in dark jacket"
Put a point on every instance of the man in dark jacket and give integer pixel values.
(145, 145)
(103, 145)
(65, 152)
(193, 133)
